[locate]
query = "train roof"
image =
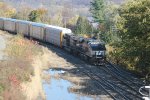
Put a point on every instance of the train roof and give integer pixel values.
(38, 24)
(10, 19)
(1, 18)
(24, 21)
(65, 30)
(16, 20)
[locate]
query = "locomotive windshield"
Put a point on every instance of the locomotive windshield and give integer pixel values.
(97, 47)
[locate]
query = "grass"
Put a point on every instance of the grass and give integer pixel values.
(17, 68)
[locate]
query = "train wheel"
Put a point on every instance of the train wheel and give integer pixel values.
(86, 58)
(71, 51)
(74, 53)
(81, 56)
(89, 60)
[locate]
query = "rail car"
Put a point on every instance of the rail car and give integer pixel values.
(88, 49)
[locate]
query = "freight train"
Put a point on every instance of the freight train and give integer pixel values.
(88, 49)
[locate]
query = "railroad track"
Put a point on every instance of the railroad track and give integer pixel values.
(119, 87)
(115, 91)
(124, 79)
(108, 88)
(127, 76)
(133, 83)
(121, 93)
(124, 88)
(101, 85)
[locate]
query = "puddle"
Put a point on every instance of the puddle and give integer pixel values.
(58, 89)
(53, 72)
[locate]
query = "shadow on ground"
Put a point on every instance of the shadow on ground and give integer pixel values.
(83, 84)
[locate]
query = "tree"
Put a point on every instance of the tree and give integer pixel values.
(83, 26)
(57, 19)
(109, 24)
(38, 15)
(6, 10)
(43, 15)
(72, 22)
(105, 14)
(97, 10)
(134, 34)
(34, 16)
(23, 12)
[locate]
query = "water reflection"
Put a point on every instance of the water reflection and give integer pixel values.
(58, 89)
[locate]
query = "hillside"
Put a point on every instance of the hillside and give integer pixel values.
(36, 3)
(79, 7)
(47, 3)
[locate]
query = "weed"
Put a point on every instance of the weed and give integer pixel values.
(18, 67)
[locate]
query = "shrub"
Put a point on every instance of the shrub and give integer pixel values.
(17, 67)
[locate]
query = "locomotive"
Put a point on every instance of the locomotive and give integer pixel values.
(89, 49)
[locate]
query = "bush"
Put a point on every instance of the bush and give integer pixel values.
(18, 66)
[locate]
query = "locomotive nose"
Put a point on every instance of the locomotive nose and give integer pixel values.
(98, 54)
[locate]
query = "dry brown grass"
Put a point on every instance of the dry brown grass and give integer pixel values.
(55, 61)
(17, 68)
(109, 48)
(46, 77)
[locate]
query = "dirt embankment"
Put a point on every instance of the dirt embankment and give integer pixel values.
(46, 60)
(34, 90)
(24, 65)
(21, 70)
(30, 60)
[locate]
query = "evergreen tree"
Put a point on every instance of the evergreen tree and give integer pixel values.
(34, 16)
(83, 26)
(104, 13)
(97, 10)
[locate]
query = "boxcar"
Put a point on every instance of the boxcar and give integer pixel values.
(23, 27)
(37, 30)
(10, 25)
(54, 34)
(2, 23)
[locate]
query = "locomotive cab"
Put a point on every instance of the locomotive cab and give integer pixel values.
(97, 52)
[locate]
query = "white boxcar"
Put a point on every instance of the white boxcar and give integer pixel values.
(54, 34)
(2, 23)
(23, 27)
(37, 30)
(10, 25)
